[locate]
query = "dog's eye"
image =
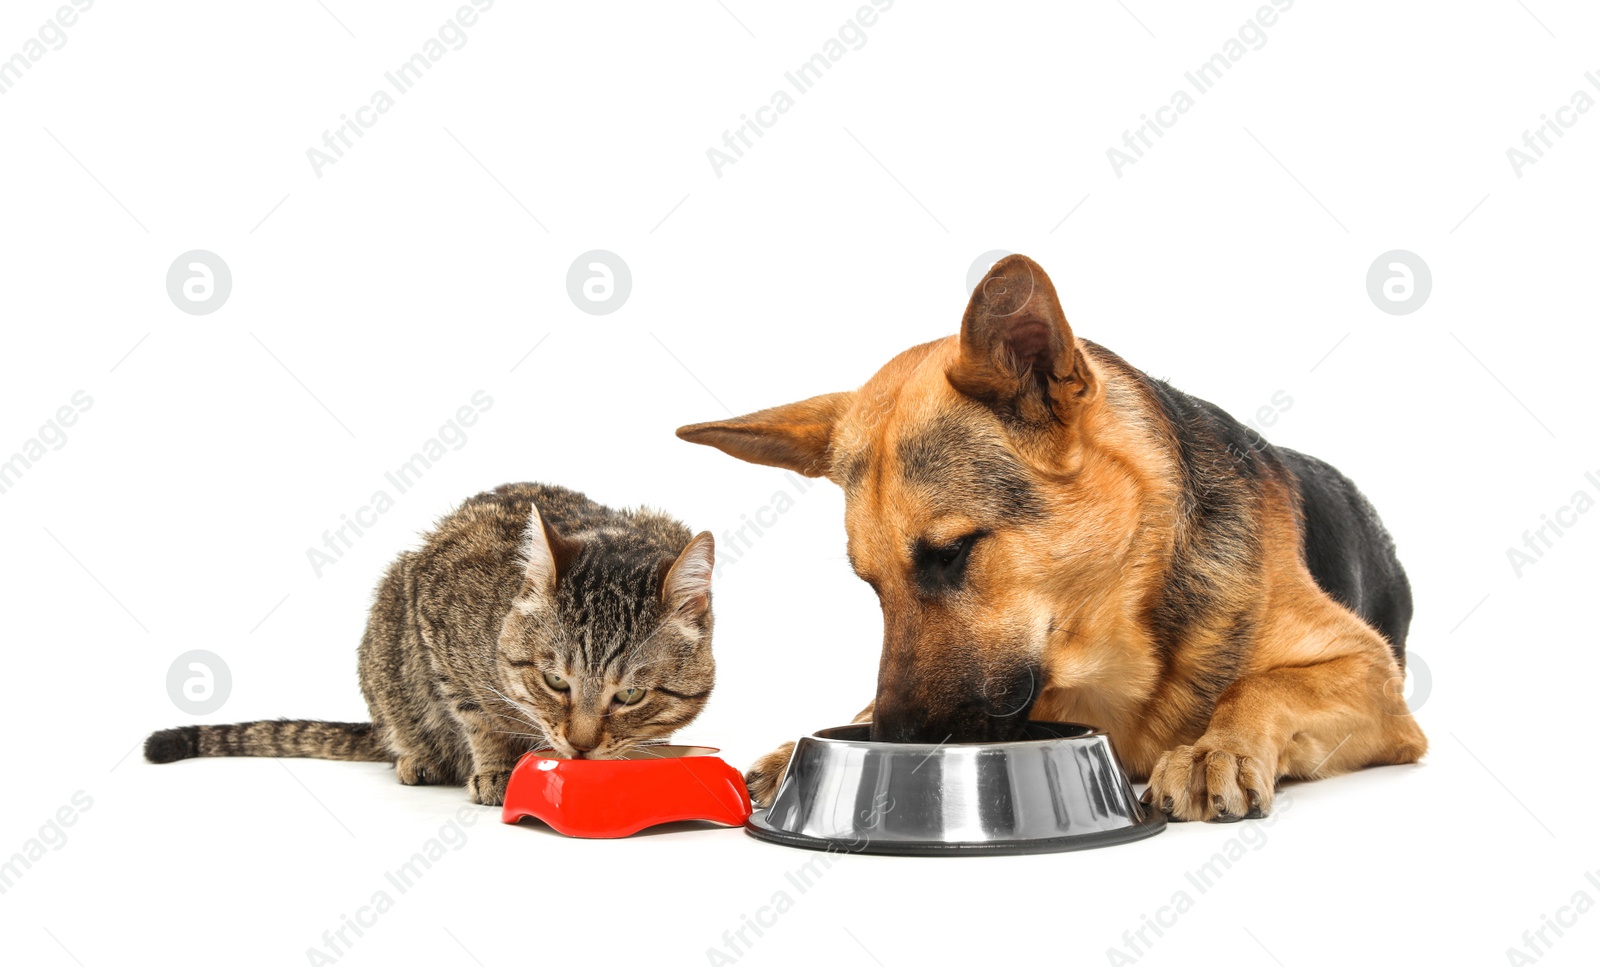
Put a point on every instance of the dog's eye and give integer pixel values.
(942, 567)
(955, 554)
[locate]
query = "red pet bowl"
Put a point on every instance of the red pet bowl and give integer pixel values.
(610, 798)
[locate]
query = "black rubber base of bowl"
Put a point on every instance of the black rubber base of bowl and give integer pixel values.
(1153, 823)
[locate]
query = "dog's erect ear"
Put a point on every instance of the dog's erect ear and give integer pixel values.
(794, 437)
(1017, 349)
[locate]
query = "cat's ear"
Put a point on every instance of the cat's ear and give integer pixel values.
(686, 587)
(794, 437)
(546, 555)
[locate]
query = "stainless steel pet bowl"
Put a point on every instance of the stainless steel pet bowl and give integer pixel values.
(1060, 787)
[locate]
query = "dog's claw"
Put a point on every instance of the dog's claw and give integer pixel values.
(1224, 815)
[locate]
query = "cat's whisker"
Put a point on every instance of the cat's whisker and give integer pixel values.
(509, 704)
(649, 664)
(509, 718)
(652, 635)
(552, 632)
(518, 706)
(647, 639)
(524, 723)
(506, 702)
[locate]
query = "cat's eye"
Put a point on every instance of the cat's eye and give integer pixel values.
(628, 696)
(556, 682)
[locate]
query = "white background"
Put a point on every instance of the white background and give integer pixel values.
(368, 304)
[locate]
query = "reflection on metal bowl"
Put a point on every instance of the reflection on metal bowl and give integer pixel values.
(1060, 787)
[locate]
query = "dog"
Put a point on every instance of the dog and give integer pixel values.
(1055, 535)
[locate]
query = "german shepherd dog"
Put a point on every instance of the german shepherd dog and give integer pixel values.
(1053, 534)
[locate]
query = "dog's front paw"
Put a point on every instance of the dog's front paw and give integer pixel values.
(488, 788)
(1203, 782)
(763, 778)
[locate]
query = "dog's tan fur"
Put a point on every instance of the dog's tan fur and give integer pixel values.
(1269, 678)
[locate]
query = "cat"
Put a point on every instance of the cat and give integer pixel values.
(531, 617)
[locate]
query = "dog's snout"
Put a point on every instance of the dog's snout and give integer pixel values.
(898, 722)
(993, 707)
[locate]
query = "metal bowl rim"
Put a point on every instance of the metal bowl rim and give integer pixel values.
(822, 737)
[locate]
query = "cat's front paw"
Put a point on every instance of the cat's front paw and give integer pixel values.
(764, 777)
(414, 771)
(488, 788)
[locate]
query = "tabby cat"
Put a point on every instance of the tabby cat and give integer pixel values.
(531, 617)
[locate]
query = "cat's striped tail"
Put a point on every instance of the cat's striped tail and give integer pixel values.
(286, 738)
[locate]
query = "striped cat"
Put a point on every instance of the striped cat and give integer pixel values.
(531, 617)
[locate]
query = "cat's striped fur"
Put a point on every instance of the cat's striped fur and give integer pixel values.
(518, 588)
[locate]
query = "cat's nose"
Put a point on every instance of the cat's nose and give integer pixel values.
(585, 734)
(580, 751)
